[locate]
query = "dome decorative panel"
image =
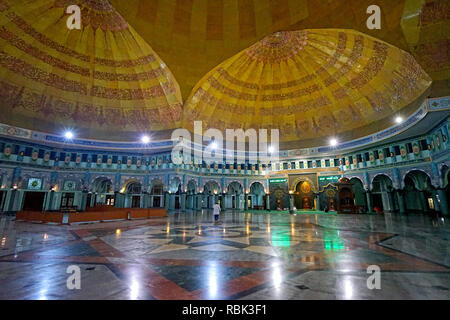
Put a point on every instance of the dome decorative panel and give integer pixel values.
(104, 79)
(310, 84)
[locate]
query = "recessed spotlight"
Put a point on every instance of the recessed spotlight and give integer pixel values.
(68, 135)
(398, 119)
(145, 139)
(333, 142)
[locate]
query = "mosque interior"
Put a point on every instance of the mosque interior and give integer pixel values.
(355, 171)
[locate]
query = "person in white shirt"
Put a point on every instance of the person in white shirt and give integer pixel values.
(216, 208)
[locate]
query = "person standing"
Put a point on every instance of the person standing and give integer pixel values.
(216, 209)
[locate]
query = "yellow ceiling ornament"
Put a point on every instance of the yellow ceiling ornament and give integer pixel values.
(426, 26)
(310, 84)
(103, 79)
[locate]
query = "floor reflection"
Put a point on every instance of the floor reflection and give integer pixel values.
(244, 256)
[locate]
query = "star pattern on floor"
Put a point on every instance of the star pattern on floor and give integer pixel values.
(209, 261)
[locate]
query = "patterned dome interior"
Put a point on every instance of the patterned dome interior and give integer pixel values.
(104, 79)
(309, 84)
(310, 68)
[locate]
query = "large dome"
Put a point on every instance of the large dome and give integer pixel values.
(194, 36)
(103, 79)
(311, 84)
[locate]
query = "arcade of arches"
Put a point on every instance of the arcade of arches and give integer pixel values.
(415, 192)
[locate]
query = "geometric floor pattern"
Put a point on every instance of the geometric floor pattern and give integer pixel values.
(252, 256)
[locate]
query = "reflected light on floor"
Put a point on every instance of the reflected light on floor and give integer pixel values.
(44, 290)
(134, 290)
(212, 280)
(348, 289)
(276, 275)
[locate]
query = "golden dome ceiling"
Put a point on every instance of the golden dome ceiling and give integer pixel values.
(194, 36)
(426, 26)
(310, 84)
(107, 81)
(104, 79)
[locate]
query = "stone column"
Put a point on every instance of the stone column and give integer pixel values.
(423, 201)
(183, 202)
(222, 201)
(9, 200)
(268, 202)
(116, 199)
(166, 200)
(171, 201)
(443, 203)
(198, 202)
(92, 204)
(246, 202)
(369, 201)
(83, 201)
(146, 200)
(150, 199)
(49, 200)
(2, 205)
(390, 201)
(291, 203)
(401, 201)
(318, 208)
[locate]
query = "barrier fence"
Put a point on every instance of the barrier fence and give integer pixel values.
(110, 214)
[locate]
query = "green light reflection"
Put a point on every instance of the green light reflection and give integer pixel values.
(333, 242)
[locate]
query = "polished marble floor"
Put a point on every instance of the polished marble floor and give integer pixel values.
(246, 256)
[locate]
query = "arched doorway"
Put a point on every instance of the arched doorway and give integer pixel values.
(175, 194)
(304, 196)
(157, 194)
(133, 192)
(420, 193)
(234, 196)
(256, 196)
(381, 189)
(102, 193)
(359, 194)
(210, 194)
(190, 194)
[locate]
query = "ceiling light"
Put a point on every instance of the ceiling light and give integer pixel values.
(398, 119)
(145, 139)
(68, 135)
(333, 142)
